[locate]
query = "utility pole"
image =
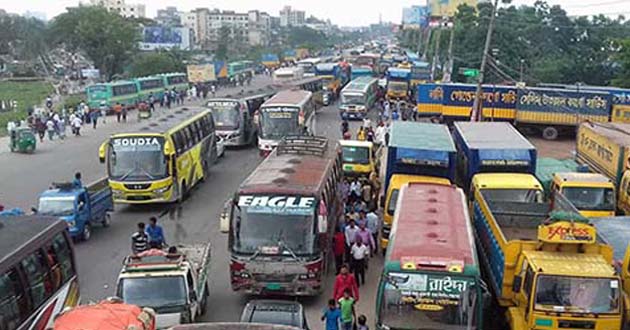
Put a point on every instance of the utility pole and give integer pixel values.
(437, 52)
(448, 74)
(475, 114)
(426, 44)
(522, 62)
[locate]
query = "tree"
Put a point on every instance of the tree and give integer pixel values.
(22, 37)
(107, 38)
(156, 62)
(302, 36)
(223, 45)
(623, 59)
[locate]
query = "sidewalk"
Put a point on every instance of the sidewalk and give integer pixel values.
(102, 130)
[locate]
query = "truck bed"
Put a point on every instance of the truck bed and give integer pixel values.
(518, 220)
(197, 254)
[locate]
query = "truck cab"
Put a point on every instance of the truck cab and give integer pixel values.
(79, 207)
(358, 158)
(507, 187)
(592, 194)
(398, 83)
(174, 285)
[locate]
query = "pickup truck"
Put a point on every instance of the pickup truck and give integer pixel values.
(80, 207)
(174, 285)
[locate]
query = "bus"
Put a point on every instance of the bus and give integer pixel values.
(314, 85)
(234, 116)
(431, 277)
(153, 85)
(368, 60)
(240, 67)
(308, 64)
(290, 112)
(108, 94)
(176, 80)
(283, 75)
(163, 160)
(358, 97)
(282, 218)
(38, 274)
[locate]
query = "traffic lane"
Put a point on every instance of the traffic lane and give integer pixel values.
(25, 176)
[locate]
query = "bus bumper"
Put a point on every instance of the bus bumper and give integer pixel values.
(294, 288)
(143, 193)
(353, 115)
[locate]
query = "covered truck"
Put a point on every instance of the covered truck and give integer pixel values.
(417, 152)
(547, 270)
(174, 284)
(109, 314)
(605, 148)
(201, 73)
(80, 207)
(398, 83)
(491, 147)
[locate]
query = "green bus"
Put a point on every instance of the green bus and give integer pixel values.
(240, 67)
(124, 92)
(150, 85)
(176, 80)
(431, 278)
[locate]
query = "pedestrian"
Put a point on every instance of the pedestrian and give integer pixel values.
(366, 236)
(358, 253)
(370, 134)
(103, 109)
(139, 240)
(124, 113)
(362, 323)
(155, 234)
(118, 111)
(332, 315)
(361, 135)
(395, 115)
(344, 126)
(380, 133)
(345, 189)
(339, 248)
(348, 314)
(76, 125)
(50, 128)
(40, 126)
(355, 190)
(76, 182)
(345, 281)
(94, 117)
(351, 235)
(372, 224)
(367, 123)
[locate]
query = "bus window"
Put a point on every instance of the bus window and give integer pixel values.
(62, 252)
(187, 138)
(179, 142)
(39, 286)
(13, 306)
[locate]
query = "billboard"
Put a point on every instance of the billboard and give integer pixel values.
(546, 105)
(415, 15)
(448, 8)
(157, 36)
(201, 73)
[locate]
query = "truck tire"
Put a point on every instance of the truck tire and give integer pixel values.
(87, 232)
(107, 220)
(550, 133)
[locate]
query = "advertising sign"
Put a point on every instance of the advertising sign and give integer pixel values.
(425, 289)
(161, 35)
(201, 73)
(567, 232)
(568, 102)
(280, 205)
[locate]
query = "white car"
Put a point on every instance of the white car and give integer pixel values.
(220, 147)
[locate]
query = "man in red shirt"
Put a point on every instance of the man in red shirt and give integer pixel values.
(339, 248)
(344, 281)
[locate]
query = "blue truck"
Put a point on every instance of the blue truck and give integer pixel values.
(398, 83)
(360, 72)
(491, 147)
(80, 207)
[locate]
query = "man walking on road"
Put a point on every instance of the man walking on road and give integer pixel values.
(139, 240)
(359, 252)
(348, 314)
(118, 111)
(155, 234)
(345, 281)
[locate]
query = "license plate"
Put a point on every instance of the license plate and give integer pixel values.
(273, 286)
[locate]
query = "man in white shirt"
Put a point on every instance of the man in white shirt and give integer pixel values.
(351, 235)
(359, 253)
(76, 125)
(380, 133)
(355, 190)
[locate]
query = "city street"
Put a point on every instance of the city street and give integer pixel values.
(99, 260)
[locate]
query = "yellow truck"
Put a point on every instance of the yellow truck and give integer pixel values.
(605, 148)
(358, 158)
(592, 194)
(547, 270)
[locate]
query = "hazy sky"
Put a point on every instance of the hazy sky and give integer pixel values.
(341, 12)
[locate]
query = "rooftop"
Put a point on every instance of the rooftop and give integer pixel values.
(492, 135)
(18, 231)
(617, 132)
(413, 135)
(584, 177)
(506, 181)
(571, 264)
(288, 97)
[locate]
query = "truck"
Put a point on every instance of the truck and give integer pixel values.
(605, 149)
(104, 315)
(431, 278)
(546, 167)
(552, 112)
(201, 73)
(546, 269)
(420, 73)
(332, 79)
(270, 61)
(398, 84)
(174, 284)
(416, 152)
(498, 102)
(80, 207)
(491, 147)
(615, 231)
(356, 72)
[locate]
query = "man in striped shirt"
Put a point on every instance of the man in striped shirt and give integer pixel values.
(139, 240)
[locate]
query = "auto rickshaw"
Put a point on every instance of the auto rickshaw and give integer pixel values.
(144, 111)
(22, 140)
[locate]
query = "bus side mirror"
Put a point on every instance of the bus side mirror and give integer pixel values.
(516, 286)
(224, 219)
(102, 151)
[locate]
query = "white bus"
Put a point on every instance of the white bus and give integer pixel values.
(358, 97)
(290, 112)
(308, 64)
(282, 75)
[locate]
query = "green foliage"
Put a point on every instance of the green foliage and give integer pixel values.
(147, 64)
(27, 94)
(24, 37)
(107, 38)
(623, 58)
(223, 44)
(302, 36)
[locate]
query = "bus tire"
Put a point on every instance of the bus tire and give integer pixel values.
(550, 133)
(87, 232)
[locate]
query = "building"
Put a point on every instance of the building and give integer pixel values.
(290, 17)
(119, 6)
(259, 29)
(189, 20)
(168, 16)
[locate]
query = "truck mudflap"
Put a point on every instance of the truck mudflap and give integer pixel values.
(277, 278)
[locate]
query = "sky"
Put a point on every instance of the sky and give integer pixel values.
(340, 12)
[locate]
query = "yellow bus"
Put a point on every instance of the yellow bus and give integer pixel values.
(164, 160)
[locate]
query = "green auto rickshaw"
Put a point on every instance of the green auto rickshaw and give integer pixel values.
(22, 140)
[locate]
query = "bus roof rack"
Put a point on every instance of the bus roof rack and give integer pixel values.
(303, 145)
(153, 261)
(63, 185)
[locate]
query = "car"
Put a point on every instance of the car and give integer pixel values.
(281, 312)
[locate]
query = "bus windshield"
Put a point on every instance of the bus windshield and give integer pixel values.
(353, 99)
(397, 86)
(277, 122)
(226, 114)
(56, 206)
(274, 230)
(159, 293)
(577, 294)
(421, 301)
(356, 155)
(137, 158)
(583, 198)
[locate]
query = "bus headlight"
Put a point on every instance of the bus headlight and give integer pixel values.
(117, 193)
(162, 190)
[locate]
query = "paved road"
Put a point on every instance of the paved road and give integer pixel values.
(99, 260)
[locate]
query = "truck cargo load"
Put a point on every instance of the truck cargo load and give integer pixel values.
(492, 147)
(109, 314)
(605, 148)
(499, 102)
(429, 98)
(546, 167)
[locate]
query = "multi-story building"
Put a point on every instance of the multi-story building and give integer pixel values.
(169, 16)
(119, 6)
(290, 17)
